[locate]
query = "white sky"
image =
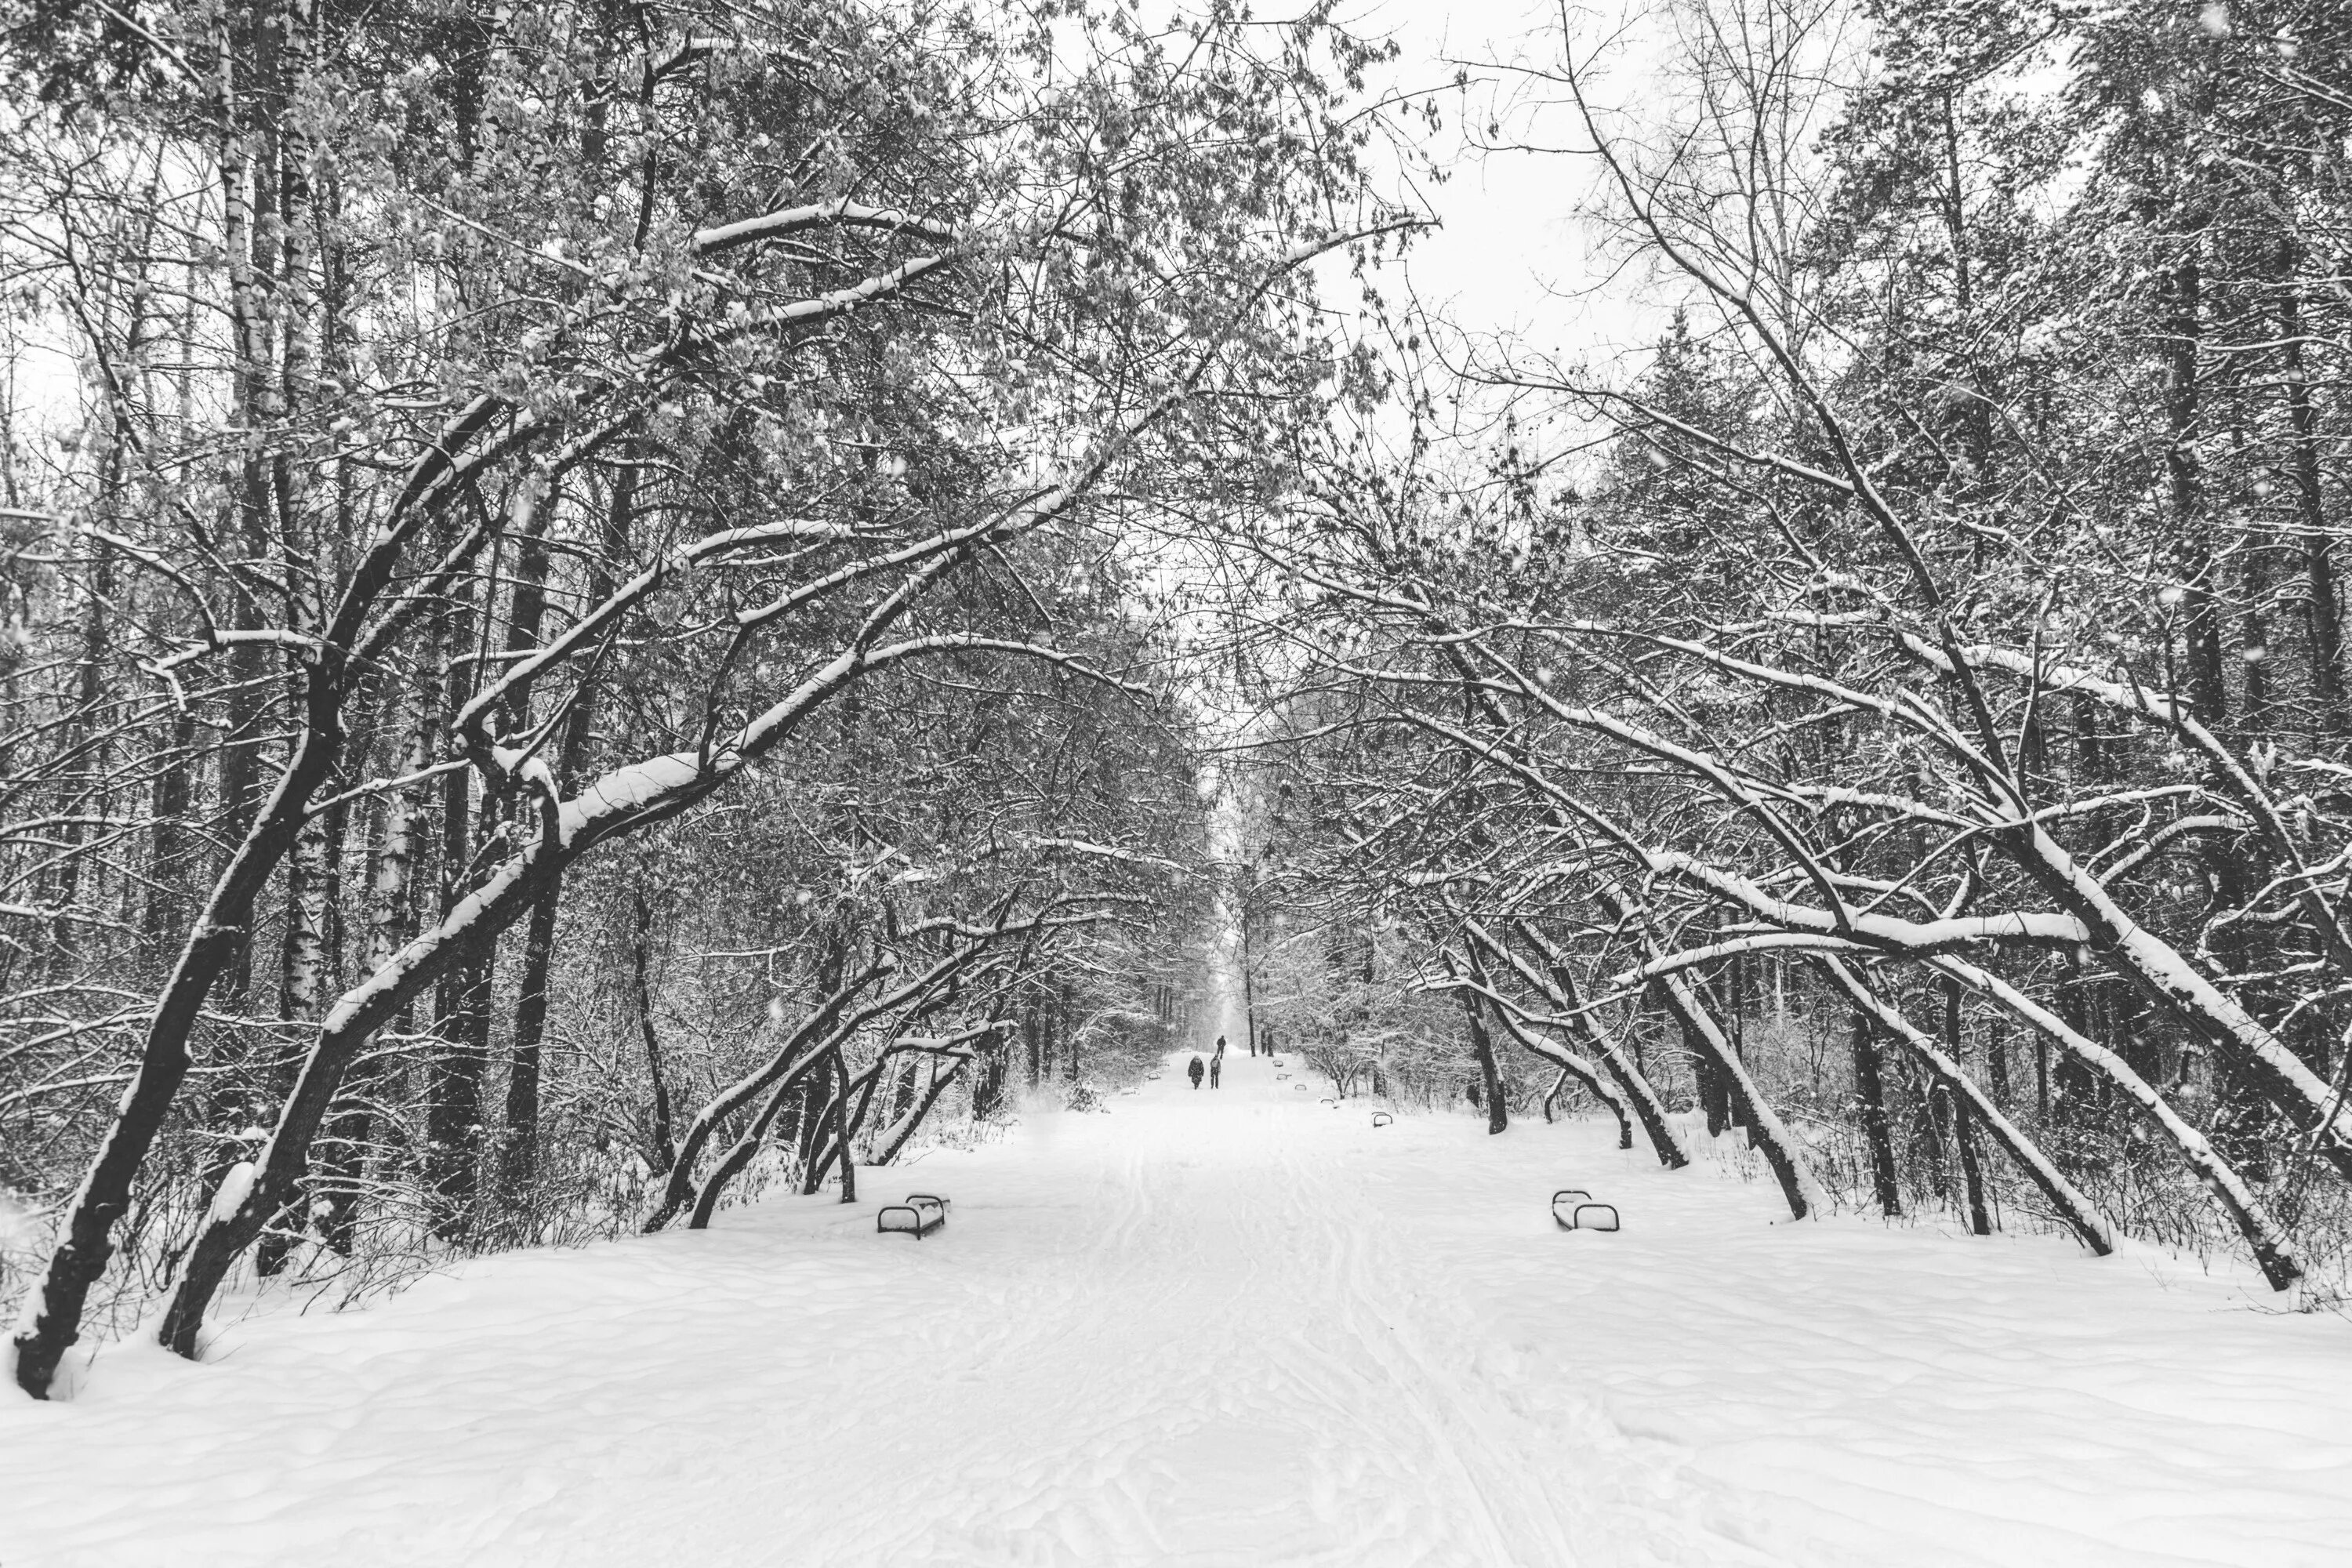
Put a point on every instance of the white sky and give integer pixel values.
(1512, 258)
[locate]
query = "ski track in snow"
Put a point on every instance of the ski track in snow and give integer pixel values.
(1222, 1329)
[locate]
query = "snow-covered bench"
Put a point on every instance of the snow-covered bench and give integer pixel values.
(1382, 1119)
(1573, 1208)
(921, 1214)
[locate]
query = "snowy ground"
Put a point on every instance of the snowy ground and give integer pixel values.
(1230, 1328)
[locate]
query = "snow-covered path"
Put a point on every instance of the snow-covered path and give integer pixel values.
(1230, 1327)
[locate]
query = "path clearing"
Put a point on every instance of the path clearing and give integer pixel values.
(1230, 1328)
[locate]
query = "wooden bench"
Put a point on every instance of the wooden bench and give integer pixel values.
(921, 1214)
(1382, 1119)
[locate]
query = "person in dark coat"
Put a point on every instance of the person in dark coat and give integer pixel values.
(1193, 1072)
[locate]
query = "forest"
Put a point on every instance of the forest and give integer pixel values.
(612, 608)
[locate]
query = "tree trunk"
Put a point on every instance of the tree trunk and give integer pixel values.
(782, 1074)
(661, 1148)
(844, 1128)
(1765, 1134)
(1713, 1098)
(519, 1137)
(517, 1150)
(1572, 1067)
(1799, 1185)
(1972, 1177)
(817, 1100)
(2274, 1250)
(301, 996)
(939, 1082)
(1554, 978)
(393, 922)
(2193, 552)
(52, 1317)
(2090, 1228)
(738, 1154)
(1870, 1095)
(453, 1111)
(1498, 1115)
(2323, 611)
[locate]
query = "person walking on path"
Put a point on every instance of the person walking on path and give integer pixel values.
(1216, 1065)
(1193, 1072)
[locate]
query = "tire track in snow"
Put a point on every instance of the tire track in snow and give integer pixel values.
(1222, 1329)
(1183, 1336)
(1590, 1492)
(1314, 1345)
(1379, 1328)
